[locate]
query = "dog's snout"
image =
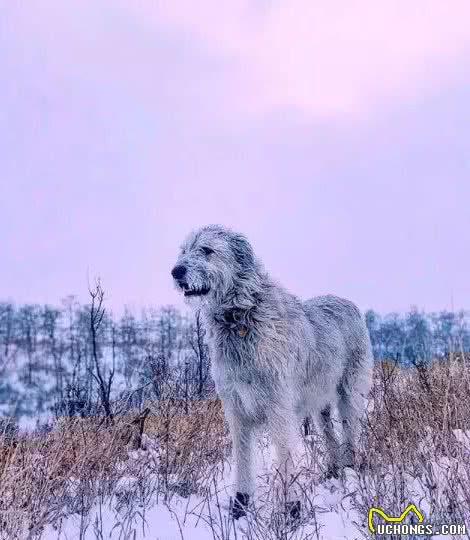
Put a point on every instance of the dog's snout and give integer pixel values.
(179, 271)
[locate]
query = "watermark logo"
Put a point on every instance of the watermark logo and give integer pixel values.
(394, 524)
(391, 519)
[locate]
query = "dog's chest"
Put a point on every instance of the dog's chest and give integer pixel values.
(233, 371)
(246, 397)
(233, 344)
(238, 382)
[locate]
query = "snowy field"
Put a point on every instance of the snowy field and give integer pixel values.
(78, 478)
(332, 509)
(329, 512)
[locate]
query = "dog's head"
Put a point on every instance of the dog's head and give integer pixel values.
(212, 261)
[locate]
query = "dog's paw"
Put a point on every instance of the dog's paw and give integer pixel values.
(332, 472)
(293, 511)
(239, 505)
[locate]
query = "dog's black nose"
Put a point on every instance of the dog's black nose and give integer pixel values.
(179, 271)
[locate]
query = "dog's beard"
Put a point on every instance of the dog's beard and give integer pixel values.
(196, 302)
(196, 286)
(201, 289)
(195, 291)
(195, 296)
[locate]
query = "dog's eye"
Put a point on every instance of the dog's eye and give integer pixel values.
(207, 250)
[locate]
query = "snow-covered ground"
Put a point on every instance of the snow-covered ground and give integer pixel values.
(329, 516)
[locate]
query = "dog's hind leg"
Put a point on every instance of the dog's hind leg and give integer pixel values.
(352, 400)
(349, 413)
(331, 442)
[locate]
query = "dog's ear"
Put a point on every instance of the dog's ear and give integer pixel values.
(242, 251)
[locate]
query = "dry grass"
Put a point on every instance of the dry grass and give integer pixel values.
(192, 445)
(417, 442)
(409, 403)
(410, 452)
(46, 476)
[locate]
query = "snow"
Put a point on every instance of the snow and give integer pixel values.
(196, 518)
(175, 523)
(331, 512)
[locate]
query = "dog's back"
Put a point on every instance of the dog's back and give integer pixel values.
(343, 357)
(334, 317)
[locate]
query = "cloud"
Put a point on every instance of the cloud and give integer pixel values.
(325, 58)
(126, 124)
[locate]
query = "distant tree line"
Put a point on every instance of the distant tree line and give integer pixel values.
(418, 337)
(80, 360)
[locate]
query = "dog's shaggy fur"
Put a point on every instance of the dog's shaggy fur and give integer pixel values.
(275, 359)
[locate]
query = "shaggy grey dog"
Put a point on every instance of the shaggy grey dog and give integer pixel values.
(275, 359)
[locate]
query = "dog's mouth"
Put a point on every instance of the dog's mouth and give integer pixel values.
(195, 291)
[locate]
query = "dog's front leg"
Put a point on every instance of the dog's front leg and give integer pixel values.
(284, 433)
(241, 432)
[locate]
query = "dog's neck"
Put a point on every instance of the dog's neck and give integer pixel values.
(237, 306)
(245, 292)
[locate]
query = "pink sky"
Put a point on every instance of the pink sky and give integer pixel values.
(334, 135)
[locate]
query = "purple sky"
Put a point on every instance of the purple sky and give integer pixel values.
(334, 135)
